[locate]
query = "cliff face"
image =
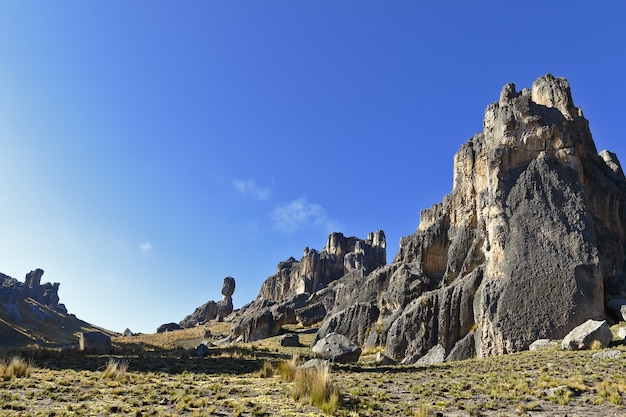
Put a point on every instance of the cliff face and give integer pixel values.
(520, 249)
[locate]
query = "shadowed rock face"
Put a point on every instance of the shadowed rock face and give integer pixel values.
(519, 250)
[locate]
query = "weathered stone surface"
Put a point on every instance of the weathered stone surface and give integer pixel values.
(542, 344)
(383, 360)
(12, 291)
(337, 348)
(435, 355)
(202, 314)
(168, 327)
(225, 307)
(94, 342)
(521, 247)
(315, 363)
(127, 333)
(289, 340)
(353, 323)
(592, 331)
(309, 315)
(202, 350)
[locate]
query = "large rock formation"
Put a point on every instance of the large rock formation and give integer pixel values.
(211, 309)
(520, 249)
(12, 291)
(287, 297)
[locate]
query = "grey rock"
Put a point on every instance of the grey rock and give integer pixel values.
(94, 342)
(582, 337)
(621, 333)
(225, 307)
(228, 287)
(353, 322)
(127, 333)
(202, 314)
(202, 350)
(315, 363)
(311, 314)
(207, 333)
(337, 348)
(435, 355)
(540, 344)
(463, 349)
(607, 354)
(289, 340)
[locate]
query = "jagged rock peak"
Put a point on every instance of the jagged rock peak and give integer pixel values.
(316, 270)
(528, 245)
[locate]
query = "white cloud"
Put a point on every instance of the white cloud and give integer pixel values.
(249, 187)
(145, 247)
(300, 214)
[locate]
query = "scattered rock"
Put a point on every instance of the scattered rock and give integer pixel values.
(607, 354)
(435, 355)
(127, 333)
(289, 340)
(588, 333)
(540, 344)
(314, 363)
(207, 334)
(621, 333)
(337, 348)
(382, 360)
(202, 350)
(463, 349)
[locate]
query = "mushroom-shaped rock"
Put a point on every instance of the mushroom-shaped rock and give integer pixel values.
(228, 287)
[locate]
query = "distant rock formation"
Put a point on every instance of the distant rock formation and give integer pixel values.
(12, 291)
(528, 244)
(286, 297)
(211, 309)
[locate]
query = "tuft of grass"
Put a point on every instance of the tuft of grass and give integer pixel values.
(314, 386)
(16, 367)
(115, 369)
(287, 369)
(267, 370)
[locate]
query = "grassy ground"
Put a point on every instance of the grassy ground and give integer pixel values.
(151, 375)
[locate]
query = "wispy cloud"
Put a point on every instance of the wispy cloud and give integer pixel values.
(300, 214)
(249, 187)
(145, 247)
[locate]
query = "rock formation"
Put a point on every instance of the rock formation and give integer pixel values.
(297, 292)
(211, 309)
(12, 291)
(523, 247)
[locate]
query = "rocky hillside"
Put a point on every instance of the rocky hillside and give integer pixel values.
(30, 313)
(529, 244)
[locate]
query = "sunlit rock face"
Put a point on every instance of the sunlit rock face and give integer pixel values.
(520, 249)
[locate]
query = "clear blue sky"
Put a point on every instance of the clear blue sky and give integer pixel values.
(148, 149)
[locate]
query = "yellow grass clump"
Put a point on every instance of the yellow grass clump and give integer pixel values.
(16, 367)
(314, 386)
(115, 369)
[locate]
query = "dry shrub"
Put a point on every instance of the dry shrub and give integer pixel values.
(596, 345)
(314, 386)
(267, 370)
(287, 369)
(115, 369)
(16, 367)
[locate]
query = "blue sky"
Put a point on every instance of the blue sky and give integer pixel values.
(149, 149)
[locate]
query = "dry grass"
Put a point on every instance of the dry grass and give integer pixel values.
(15, 367)
(116, 369)
(314, 387)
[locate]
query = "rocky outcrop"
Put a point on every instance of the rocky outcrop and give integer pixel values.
(520, 249)
(316, 270)
(211, 309)
(12, 291)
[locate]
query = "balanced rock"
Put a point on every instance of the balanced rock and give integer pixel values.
(228, 287)
(591, 332)
(336, 348)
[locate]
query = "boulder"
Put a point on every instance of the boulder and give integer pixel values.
(607, 354)
(463, 349)
(94, 342)
(168, 327)
(621, 333)
(202, 350)
(207, 334)
(336, 348)
(541, 344)
(127, 333)
(228, 287)
(435, 355)
(289, 340)
(225, 307)
(202, 314)
(618, 308)
(382, 360)
(314, 364)
(591, 332)
(311, 314)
